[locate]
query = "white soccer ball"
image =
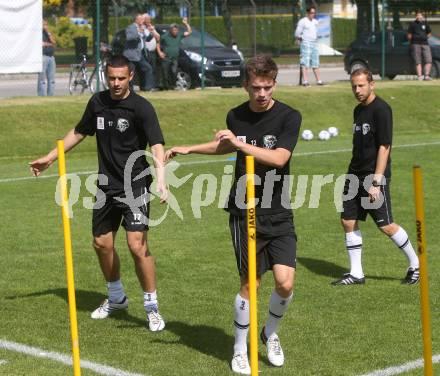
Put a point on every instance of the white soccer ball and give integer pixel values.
(333, 131)
(324, 135)
(307, 135)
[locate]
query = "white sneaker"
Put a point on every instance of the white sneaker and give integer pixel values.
(155, 321)
(240, 364)
(107, 308)
(274, 351)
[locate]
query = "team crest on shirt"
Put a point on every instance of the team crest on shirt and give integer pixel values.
(269, 141)
(365, 128)
(122, 125)
(241, 138)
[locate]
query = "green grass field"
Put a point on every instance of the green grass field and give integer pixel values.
(327, 330)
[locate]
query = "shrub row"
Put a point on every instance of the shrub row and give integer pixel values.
(274, 32)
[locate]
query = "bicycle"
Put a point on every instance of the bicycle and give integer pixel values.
(79, 79)
(106, 51)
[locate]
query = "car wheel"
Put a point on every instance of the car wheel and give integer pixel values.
(357, 64)
(391, 76)
(183, 81)
(435, 70)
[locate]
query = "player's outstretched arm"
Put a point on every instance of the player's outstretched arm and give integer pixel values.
(71, 139)
(158, 152)
(270, 157)
(210, 148)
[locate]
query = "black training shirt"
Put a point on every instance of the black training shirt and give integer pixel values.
(276, 128)
(47, 50)
(121, 127)
(373, 127)
(419, 31)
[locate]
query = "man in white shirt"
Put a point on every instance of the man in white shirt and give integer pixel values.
(307, 35)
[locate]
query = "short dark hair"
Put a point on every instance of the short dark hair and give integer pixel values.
(308, 9)
(359, 71)
(261, 65)
(119, 61)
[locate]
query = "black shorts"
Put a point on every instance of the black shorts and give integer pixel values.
(276, 242)
(107, 215)
(359, 206)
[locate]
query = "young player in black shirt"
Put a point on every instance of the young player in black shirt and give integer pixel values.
(124, 124)
(268, 130)
(371, 167)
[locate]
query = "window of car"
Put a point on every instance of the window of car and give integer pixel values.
(434, 41)
(193, 40)
(400, 39)
(374, 39)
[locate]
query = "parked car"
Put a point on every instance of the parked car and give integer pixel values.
(224, 66)
(367, 52)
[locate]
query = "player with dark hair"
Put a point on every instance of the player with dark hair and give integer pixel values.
(267, 130)
(371, 167)
(124, 123)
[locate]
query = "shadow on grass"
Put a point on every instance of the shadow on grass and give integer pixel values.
(330, 269)
(205, 339)
(322, 267)
(85, 300)
(202, 338)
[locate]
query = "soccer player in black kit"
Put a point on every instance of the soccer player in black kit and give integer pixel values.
(267, 130)
(124, 123)
(370, 166)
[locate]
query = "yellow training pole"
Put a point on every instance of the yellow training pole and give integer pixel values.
(69, 259)
(424, 286)
(252, 263)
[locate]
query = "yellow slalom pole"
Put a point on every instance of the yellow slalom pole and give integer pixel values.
(252, 262)
(69, 259)
(424, 286)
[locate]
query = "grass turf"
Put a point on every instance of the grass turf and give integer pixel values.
(327, 330)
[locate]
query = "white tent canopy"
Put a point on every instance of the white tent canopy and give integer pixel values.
(21, 36)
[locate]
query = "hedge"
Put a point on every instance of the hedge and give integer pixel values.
(343, 32)
(65, 32)
(274, 32)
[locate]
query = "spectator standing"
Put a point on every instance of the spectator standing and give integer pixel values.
(168, 52)
(49, 65)
(134, 51)
(151, 47)
(418, 34)
(307, 35)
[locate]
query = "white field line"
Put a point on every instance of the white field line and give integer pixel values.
(396, 370)
(207, 161)
(64, 359)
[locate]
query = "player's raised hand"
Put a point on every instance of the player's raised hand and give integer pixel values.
(39, 165)
(185, 21)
